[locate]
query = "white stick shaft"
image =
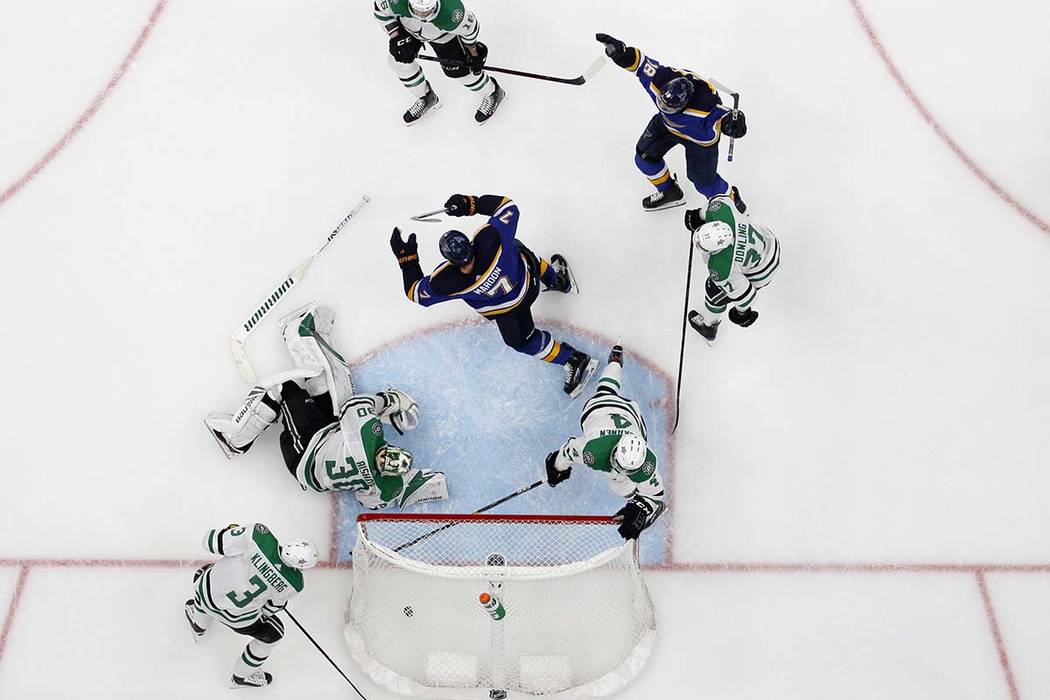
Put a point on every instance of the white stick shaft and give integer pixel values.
(240, 336)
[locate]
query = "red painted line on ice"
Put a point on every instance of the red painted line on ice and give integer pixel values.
(9, 620)
(92, 109)
(1000, 645)
(937, 127)
(845, 567)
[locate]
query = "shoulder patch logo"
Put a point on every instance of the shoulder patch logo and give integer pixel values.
(377, 429)
(715, 277)
(714, 206)
(261, 529)
(588, 457)
(457, 15)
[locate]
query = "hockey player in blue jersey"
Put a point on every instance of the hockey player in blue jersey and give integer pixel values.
(691, 113)
(497, 276)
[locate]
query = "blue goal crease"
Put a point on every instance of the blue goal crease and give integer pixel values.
(489, 418)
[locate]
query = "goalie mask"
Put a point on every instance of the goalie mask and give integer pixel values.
(299, 554)
(629, 453)
(425, 10)
(714, 236)
(391, 460)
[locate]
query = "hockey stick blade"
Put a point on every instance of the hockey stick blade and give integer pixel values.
(579, 80)
(430, 217)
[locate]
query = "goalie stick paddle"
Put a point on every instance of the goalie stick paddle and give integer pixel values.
(681, 352)
(490, 506)
(237, 341)
(323, 653)
(591, 71)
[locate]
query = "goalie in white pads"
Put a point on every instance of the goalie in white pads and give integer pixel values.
(741, 258)
(245, 590)
(333, 437)
(614, 442)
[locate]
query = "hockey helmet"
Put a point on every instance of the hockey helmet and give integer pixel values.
(456, 248)
(629, 453)
(714, 236)
(393, 460)
(425, 10)
(675, 95)
(299, 554)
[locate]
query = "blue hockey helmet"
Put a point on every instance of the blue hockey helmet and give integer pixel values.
(456, 248)
(675, 95)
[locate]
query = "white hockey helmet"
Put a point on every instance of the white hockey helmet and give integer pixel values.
(425, 10)
(714, 236)
(299, 554)
(391, 459)
(629, 453)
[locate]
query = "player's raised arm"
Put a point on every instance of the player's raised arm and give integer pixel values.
(503, 213)
(417, 286)
(626, 57)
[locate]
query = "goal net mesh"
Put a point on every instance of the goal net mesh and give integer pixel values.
(576, 617)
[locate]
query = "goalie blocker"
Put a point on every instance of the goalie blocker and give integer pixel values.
(333, 437)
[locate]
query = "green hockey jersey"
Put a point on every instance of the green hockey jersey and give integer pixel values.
(453, 21)
(746, 265)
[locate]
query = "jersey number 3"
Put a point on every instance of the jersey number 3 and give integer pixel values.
(242, 599)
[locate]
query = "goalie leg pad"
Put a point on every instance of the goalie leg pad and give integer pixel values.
(425, 486)
(306, 335)
(239, 430)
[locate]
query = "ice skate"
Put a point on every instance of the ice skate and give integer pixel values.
(490, 104)
(224, 445)
(420, 108)
(671, 197)
(709, 331)
(616, 354)
(257, 679)
(566, 281)
(738, 201)
(196, 629)
(578, 372)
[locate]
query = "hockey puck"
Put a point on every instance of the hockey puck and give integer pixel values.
(408, 611)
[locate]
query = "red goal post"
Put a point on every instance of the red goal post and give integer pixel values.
(566, 614)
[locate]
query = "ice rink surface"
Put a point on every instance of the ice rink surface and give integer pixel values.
(860, 495)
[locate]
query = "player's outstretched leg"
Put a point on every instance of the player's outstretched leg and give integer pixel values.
(653, 145)
(247, 671)
(702, 171)
(579, 369)
(411, 76)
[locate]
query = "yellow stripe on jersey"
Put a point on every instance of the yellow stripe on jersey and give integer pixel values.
(661, 179)
(411, 293)
(637, 60)
(483, 277)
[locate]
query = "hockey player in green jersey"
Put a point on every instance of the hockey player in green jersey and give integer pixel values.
(245, 590)
(614, 442)
(741, 258)
(333, 437)
(452, 32)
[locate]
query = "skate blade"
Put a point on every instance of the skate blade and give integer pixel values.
(222, 446)
(588, 375)
(425, 114)
(672, 205)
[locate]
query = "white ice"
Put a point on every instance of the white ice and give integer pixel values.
(861, 494)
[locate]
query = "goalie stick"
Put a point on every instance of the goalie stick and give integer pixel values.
(591, 71)
(240, 353)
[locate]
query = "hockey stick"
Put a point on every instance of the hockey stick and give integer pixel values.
(323, 652)
(428, 216)
(593, 69)
(681, 352)
(490, 506)
(736, 105)
(240, 353)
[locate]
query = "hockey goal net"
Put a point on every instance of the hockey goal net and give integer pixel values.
(568, 614)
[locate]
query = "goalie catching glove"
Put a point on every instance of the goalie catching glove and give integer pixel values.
(400, 411)
(639, 513)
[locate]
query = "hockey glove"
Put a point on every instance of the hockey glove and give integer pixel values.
(404, 47)
(637, 515)
(461, 205)
(476, 62)
(405, 251)
(734, 125)
(554, 476)
(621, 54)
(743, 318)
(694, 219)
